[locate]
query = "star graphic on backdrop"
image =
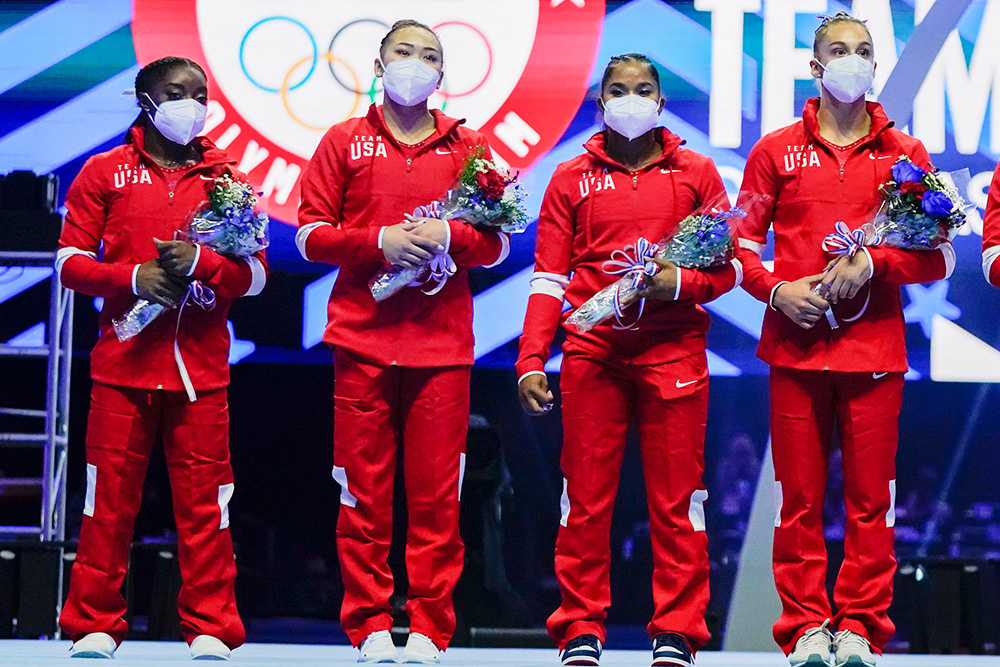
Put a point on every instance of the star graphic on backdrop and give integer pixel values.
(926, 302)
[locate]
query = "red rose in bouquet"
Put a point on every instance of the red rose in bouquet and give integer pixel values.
(491, 184)
(913, 188)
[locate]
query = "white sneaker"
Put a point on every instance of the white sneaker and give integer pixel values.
(94, 645)
(420, 649)
(852, 650)
(207, 647)
(813, 648)
(378, 647)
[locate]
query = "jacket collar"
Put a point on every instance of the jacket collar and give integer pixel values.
(596, 146)
(211, 155)
(880, 121)
(444, 126)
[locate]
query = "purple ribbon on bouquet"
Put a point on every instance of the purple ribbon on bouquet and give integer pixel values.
(442, 266)
(635, 266)
(845, 242)
(201, 296)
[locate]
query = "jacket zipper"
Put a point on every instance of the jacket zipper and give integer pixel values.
(635, 180)
(843, 163)
(409, 161)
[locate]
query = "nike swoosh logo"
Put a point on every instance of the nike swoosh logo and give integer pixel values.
(681, 385)
(877, 376)
(671, 171)
(206, 178)
(672, 649)
(879, 157)
(441, 152)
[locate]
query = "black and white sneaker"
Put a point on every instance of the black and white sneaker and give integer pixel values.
(671, 649)
(582, 650)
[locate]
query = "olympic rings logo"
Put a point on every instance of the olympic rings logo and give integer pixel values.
(294, 78)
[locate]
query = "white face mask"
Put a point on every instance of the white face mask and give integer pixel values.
(409, 81)
(180, 121)
(848, 78)
(631, 116)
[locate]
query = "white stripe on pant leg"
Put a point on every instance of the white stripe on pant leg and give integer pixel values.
(779, 500)
(225, 495)
(346, 497)
(461, 473)
(564, 504)
(696, 512)
(890, 515)
(88, 501)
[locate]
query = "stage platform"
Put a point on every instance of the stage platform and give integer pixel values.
(29, 653)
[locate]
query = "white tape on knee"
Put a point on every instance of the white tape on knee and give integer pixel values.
(225, 495)
(696, 512)
(564, 504)
(779, 500)
(346, 497)
(890, 515)
(88, 501)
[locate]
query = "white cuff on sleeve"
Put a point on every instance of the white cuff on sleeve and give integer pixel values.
(530, 373)
(553, 284)
(447, 236)
(753, 246)
(738, 267)
(65, 253)
(504, 250)
(258, 276)
(381, 233)
(989, 256)
(135, 275)
(302, 236)
(770, 301)
(194, 264)
(871, 263)
(948, 251)
(677, 289)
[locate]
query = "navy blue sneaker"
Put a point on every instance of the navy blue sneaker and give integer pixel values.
(671, 650)
(582, 650)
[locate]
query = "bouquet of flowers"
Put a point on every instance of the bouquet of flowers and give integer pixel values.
(486, 197)
(920, 210)
(229, 225)
(702, 240)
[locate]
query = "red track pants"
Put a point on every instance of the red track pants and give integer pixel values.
(804, 407)
(121, 431)
(376, 408)
(670, 402)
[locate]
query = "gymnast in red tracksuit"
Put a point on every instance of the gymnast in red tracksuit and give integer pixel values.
(837, 357)
(991, 232)
(118, 207)
(401, 366)
(634, 180)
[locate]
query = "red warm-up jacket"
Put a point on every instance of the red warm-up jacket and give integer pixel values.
(117, 204)
(594, 206)
(810, 186)
(991, 232)
(361, 180)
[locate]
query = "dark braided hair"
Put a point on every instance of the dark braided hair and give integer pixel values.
(148, 77)
(829, 22)
(407, 23)
(630, 58)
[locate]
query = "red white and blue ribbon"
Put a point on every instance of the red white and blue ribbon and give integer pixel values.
(202, 296)
(845, 242)
(634, 266)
